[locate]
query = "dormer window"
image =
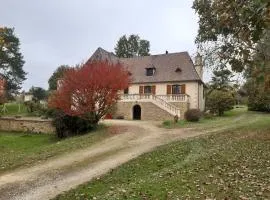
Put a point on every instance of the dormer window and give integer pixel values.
(150, 71)
(178, 69)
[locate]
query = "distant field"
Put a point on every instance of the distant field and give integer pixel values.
(231, 162)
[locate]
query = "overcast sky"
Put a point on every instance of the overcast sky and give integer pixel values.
(56, 32)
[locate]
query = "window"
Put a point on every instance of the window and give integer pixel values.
(147, 90)
(176, 89)
(150, 71)
(178, 69)
(126, 91)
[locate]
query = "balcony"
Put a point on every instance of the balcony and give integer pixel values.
(149, 97)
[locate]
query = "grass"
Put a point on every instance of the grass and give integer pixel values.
(212, 122)
(13, 109)
(20, 149)
(231, 163)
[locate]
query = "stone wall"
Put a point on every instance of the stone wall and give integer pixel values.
(149, 111)
(31, 125)
(184, 106)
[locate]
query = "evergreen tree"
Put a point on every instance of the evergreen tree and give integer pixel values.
(57, 74)
(11, 60)
(132, 46)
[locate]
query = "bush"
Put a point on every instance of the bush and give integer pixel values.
(219, 101)
(66, 125)
(35, 108)
(193, 115)
(208, 115)
(167, 123)
(120, 117)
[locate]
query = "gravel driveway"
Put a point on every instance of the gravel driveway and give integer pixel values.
(48, 179)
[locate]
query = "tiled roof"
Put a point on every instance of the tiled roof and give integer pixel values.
(165, 66)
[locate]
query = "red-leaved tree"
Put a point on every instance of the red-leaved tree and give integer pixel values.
(91, 90)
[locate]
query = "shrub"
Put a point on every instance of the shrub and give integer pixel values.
(167, 123)
(208, 115)
(219, 101)
(67, 125)
(35, 108)
(193, 115)
(31, 106)
(120, 117)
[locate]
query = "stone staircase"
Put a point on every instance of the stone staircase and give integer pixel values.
(159, 100)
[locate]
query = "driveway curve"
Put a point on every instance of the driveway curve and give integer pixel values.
(46, 180)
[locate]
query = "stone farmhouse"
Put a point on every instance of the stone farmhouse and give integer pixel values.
(162, 86)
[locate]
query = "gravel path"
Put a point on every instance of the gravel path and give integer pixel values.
(56, 175)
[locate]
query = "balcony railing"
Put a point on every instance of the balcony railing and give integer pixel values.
(175, 97)
(168, 98)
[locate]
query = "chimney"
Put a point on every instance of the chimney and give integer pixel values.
(199, 65)
(166, 52)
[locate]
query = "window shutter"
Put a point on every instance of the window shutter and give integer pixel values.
(183, 89)
(169, 89)
(141, 90)
(153, 89)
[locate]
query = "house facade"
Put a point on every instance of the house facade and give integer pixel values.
(162, 86)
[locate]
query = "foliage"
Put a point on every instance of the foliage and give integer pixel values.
(193, 115)
(232, 28)
(219, 101)
(229, 165)
(11, 60)
(221, 80)
(67, 125)
(24, 149)
(31, 106)
(132, 46)
(38, 93)
(258, 96)
(57, 74)
(2, 91)
(258, 78)
(35, 108)
(89, 92)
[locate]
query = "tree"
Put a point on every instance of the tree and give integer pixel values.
(219, 101)
(235, 26)
(38, 93)
(221, 80)
(258, 78)
(90, 91)
(221, 94)
(11, 60)
(57, 74)
(132, 46)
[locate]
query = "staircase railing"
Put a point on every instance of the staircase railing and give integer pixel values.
(157, 100)
(170, 107)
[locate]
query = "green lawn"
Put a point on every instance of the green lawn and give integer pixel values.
(225, 121)
(230, 163)
(20, 149)
(13, 109)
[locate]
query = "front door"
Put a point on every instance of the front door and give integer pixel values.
(137, 112)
